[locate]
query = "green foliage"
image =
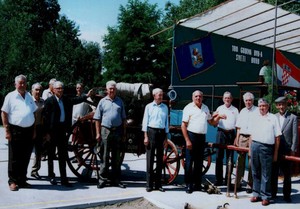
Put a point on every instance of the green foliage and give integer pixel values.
(37, 42)
(131, 54)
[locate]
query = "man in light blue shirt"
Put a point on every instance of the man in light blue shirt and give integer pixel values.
(155, 128)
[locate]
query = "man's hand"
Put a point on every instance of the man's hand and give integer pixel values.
(8, 135)
(146, 141)
(34, 134)
(47, 137)
(236, 142)
(90, 93)
(98, 137)
(166, 143)
(188, 144)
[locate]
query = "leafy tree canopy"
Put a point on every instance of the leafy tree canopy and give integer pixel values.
(39, 43)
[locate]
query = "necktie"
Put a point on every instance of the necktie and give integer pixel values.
(62, 110)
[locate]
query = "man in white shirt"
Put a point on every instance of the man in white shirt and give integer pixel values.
(18, 120)
(243, 139)
(225, 136)
(81, 109)
(194, 129)
(48, 92)
(265, 138)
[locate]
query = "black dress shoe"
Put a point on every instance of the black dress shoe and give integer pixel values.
(160, 189)
(119, 184)
(148, 189)
(189, 190)
(102, 178)
(198, 188)
(66, 184)
(24, 185)
(53, 181)
(287, 199)
(248, 190)
(218, 183)
(100, 185)
(36, 175)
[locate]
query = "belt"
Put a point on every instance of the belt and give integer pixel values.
(156, 128)
(112, 128)
(20, 127)
(268, 145)
(245, 135)
(196, 133)
(226, 131)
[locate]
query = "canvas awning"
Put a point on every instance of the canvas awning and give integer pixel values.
(252, 21)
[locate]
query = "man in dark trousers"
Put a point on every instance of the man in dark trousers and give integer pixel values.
(288, 146)
(110, 123)
(57, 121)
(18, 116)
(195, 118)
(155, 128)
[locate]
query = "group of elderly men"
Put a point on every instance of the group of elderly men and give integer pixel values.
(267, 136)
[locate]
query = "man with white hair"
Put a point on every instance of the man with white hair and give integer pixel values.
(195, 117)
(225, 136)
(18, 116)
(110, 129)
(57, 121)
(243, 139)
(36, 90)
(265, 138)
(49, 92)
(155, 128)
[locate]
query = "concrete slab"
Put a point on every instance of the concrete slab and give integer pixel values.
(82, 195)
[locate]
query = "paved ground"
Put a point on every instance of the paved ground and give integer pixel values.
(83, 195)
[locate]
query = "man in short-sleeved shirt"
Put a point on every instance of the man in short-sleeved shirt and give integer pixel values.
(18, 120)
(243, 138)
(225, 136)
(110, 128)
(194, 128)
(265, 137)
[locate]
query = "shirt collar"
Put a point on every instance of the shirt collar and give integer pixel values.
(155, 104)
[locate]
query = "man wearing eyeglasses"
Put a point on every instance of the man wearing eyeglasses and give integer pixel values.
(57, 120)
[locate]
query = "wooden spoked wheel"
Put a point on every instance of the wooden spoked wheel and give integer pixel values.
(83, 156)
(206, 162)
(171, 163)
(84, 153)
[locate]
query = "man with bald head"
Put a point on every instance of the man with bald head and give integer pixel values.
(195, 117)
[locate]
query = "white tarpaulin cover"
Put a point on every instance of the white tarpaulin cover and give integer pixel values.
(252, 21)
